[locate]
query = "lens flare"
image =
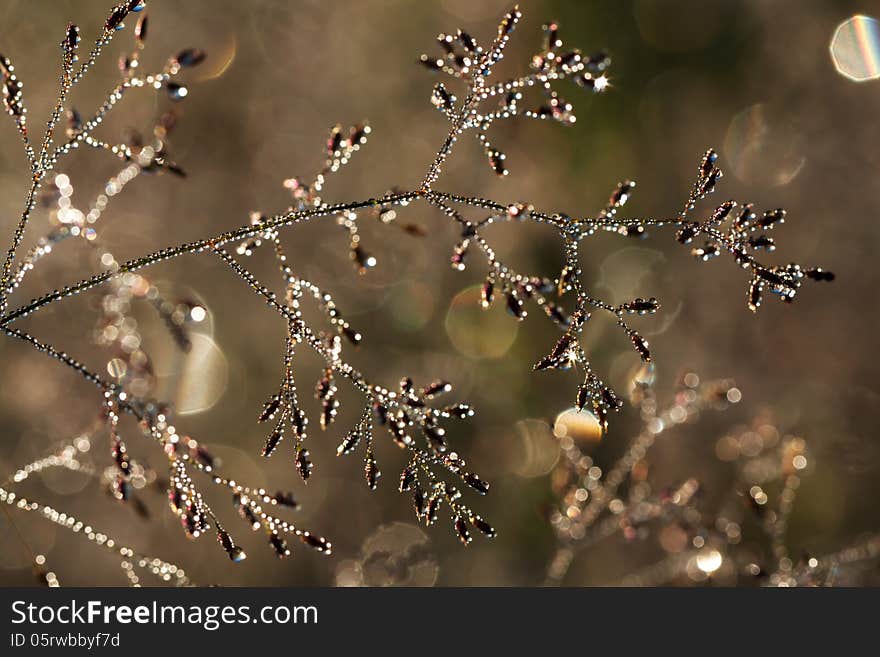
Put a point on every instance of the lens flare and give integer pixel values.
(855, 48)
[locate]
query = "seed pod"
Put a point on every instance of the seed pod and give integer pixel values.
(771, 218)
(269, 408)
(190, 57)
(418, 500)
(328, 412)
(287, 499)
(819, 274)
(431, 508)
(542, 284)
(175, 499)
(303, 463)
(545, 363)
(771, 277)
(621, 195)
(435, 436)
(117, 451)
(407, 479)
(442, 99)
(176, 91)
(247, 514)
(487, 293)
(515, 306)
(401, 438)
(706, 252)
(496, 161)
(319, 543)
(461, 529)
(641, 346)
(351, 335)
(610, 399)
(722, 212)
(687, 233)
(114, 20)
(74, 122)
(483, 526)
(556, 313)
(745, 217)
(467, 42)
(371, 472)
(362, 260)
(571, 62)
(334, 141)
(583, 396)
(508, 23)
(300, 421)
(707, 164)
(141, 30)
(459, 253)
(526, 291)
(755, 296)
(635, 230)
(566, 278)
(273, 440)
(235, 553)
(120, 488)
(460, 411)
(641, 306)
(762, 242)
(436, 388)
(190, 524)
(171, 167)
(708, 185)
(201, 455)
(12, 97)
(430, 63)
(279, 545)
(601, 416)
(326, 392)
(347, 446)
(71, 41)
(563, 346)
(476, 483)
(445, 42)
(358, 135)
(380, 413)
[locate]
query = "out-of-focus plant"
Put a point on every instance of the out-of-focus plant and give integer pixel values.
(410, 413)
(740, 540)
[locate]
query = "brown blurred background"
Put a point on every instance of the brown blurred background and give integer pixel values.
(753, 79)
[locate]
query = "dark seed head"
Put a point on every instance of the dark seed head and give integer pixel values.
(279, 545)
(190, 57)
(461, 529)
(483, 526)
(476, 483)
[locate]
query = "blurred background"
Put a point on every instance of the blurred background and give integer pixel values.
(756, 80)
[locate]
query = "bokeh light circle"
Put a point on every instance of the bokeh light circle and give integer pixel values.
(762, 148)
(479, 333)
(855, 48)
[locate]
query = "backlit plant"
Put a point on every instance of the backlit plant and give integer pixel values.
(411, 413)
